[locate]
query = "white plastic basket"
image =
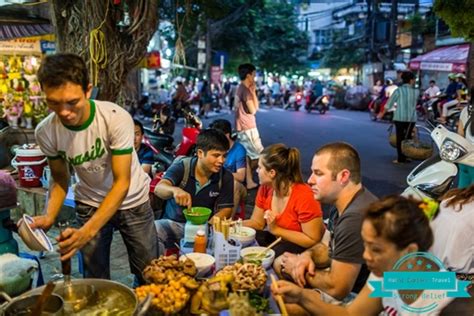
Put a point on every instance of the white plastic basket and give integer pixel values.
(225, 253)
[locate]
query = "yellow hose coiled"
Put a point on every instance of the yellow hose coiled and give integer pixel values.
(98, 50)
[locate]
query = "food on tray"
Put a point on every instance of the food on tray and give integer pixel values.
(167, 268)
(239, 305)
(169, 298)
(171, 283)
(247, 276)
(211, 297)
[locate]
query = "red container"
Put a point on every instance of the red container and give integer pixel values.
(30, 162)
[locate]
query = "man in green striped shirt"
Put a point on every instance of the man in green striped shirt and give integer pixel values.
(404, 117)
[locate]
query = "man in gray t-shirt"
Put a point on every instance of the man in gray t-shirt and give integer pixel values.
(346, 243)
(335, 180)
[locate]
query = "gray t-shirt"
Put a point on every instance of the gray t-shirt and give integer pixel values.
(346, 243)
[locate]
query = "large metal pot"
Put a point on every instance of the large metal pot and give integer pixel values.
(21, 306)
(112, 297)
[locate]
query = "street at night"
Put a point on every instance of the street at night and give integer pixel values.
(309, 131)
(237, 157)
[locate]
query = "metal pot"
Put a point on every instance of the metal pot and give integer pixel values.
(118, 296)
(21, 306)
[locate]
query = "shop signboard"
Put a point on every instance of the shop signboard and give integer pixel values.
(20, 46)
(216, 73)
(48, 47)
(445, 59)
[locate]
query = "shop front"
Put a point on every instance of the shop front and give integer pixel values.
(21, 100)
(437, 64)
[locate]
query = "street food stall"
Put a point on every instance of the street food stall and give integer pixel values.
(229, 274)
(437, 64)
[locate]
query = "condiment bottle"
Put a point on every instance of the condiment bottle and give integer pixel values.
(200, 242)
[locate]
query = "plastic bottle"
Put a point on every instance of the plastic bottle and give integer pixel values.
(200, 242)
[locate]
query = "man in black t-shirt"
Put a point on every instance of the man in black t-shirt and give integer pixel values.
(335, 180)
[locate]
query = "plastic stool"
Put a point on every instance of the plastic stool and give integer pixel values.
(241, 214)
(80, 263)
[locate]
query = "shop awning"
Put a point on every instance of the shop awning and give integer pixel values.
(11, 31)
(449, 59)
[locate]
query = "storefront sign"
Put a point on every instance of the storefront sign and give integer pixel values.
(216, 73)
(48, 47)
(26, 46)
(436, 66)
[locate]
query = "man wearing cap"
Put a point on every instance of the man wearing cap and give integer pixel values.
(460, 95)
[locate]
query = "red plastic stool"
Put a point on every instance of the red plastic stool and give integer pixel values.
(241, 214)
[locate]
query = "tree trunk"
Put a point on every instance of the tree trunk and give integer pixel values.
(124, 47)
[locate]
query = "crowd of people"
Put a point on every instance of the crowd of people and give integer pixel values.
(324, 268)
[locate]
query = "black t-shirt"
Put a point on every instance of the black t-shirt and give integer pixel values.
(346, 243)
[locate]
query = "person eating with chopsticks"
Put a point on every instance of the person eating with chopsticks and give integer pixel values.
(284, 203)
(208, 185)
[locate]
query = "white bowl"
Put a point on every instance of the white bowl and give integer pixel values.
(203, 262)
(266, 261)
(35, 239)
(246, 236)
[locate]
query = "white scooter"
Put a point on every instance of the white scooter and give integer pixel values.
(434, 176)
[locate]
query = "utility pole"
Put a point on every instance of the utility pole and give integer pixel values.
(208, 51)
(416, 39)
(370, 30)
(393, 31)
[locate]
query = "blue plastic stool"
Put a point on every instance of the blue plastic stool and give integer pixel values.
(80, 263)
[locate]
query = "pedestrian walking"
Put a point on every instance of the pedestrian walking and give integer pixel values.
(245, 122)
(404, 118)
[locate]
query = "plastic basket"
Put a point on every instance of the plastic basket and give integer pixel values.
(18, 285)
(225, 253)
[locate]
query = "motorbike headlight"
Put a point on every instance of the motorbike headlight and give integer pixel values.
(451, 151)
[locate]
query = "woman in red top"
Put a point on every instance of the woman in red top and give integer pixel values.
(284, 203)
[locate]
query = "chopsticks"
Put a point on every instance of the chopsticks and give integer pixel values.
(278, 298)
(222, 226)
(262, 253)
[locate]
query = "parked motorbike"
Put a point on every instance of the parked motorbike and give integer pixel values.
(435, 176)
(162, 144)
(320, 104)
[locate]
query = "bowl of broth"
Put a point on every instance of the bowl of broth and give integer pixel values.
(252, 254)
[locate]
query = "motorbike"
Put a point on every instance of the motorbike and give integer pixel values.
(162, 144)
(295, 101)
(376, 106)
(432, 113)
(320, 104)
(435, 176)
